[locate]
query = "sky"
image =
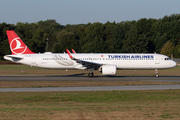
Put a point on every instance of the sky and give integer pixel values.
(85, 11)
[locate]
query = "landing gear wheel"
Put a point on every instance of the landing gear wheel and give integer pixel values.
(90, 74)
(156, 72)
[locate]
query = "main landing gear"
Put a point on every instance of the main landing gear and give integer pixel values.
(156, 73)
(90, 74)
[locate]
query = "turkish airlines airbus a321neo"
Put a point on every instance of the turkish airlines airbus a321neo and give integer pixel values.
(107, 63)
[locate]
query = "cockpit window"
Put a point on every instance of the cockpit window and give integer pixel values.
(167, 59)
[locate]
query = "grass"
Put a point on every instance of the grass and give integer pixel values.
(36, 84)
(101, 105)
(89, 105)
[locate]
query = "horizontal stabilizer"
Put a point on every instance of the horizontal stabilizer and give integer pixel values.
(13, 58)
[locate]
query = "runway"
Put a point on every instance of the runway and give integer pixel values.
(95, 78)
(93, 88)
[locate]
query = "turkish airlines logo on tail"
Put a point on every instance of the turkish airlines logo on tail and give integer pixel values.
(16, 46)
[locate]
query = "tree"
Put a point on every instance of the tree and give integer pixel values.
(176, 52)
(119, 32)
(4, 44)
(135, 43)
(167, 48)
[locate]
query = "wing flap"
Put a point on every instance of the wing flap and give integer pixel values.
(88, 64)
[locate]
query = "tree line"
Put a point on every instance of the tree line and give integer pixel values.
(141, 36)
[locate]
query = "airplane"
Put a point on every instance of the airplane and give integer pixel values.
(106, 63)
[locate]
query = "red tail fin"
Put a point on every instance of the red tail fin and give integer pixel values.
(17, 46)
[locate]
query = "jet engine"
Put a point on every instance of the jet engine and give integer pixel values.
(108, 69)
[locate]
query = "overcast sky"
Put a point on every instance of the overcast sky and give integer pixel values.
(85, 11)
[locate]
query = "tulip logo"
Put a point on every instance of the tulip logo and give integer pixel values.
(16, 46)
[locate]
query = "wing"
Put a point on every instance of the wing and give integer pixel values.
(86, 64)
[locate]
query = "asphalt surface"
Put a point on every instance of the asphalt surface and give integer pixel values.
(95, 78)
(93, 88)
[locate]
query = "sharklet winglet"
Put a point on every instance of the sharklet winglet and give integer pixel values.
(69, 54)
(73, 51)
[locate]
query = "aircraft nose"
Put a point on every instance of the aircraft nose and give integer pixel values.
(173, 63)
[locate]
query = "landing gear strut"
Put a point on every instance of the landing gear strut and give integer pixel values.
(156, 72)
(90, 74)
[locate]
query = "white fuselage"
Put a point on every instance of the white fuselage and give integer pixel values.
(122, 61)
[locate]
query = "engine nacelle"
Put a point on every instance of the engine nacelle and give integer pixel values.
(108, 69)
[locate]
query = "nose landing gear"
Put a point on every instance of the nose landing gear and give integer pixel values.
(156, 73)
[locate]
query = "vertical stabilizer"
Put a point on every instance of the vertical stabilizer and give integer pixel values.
(17, 46)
